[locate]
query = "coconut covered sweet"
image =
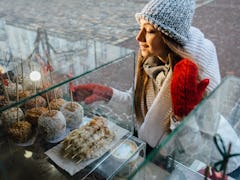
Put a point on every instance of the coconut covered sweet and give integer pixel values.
(52, 125)
(73, 113)
(10, 116)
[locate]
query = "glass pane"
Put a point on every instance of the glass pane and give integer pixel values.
(23, 51)
(191, 145)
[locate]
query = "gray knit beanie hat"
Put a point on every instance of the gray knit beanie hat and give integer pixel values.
(171, 17)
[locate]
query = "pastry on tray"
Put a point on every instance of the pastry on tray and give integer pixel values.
(85, 143)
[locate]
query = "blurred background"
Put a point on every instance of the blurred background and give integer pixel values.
(113, 21)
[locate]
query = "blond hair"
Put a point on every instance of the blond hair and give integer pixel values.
(175, 53)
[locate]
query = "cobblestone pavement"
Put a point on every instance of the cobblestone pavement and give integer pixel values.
(220, 21)
(113, 21)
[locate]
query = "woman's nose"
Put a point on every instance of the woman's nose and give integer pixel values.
(141, 36)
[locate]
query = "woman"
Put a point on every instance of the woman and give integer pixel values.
(175, 67)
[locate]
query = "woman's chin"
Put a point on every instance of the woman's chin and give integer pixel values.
(145, 55)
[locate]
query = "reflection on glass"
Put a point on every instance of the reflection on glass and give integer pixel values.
(41, 50)
(193, 146)
(84, 54)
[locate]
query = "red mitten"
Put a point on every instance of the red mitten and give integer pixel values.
(186, 91)
(92, 92)
(213, 174)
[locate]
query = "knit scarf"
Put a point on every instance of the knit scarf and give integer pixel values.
(157, 71)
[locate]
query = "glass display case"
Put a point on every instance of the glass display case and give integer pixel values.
(97, 142)
(206, 139)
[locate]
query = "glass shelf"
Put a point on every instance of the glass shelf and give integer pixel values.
(191, 145)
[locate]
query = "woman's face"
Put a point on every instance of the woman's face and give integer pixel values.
(150, 41)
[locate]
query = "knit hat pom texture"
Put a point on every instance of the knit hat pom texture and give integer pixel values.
(171, 17)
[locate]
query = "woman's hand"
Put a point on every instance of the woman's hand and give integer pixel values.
(92, 92)
(186, 91)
